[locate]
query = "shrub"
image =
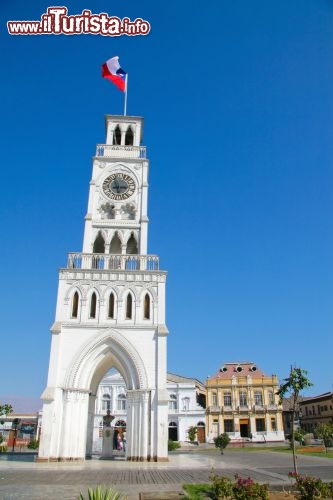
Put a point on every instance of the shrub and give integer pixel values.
(221, 486)
(192, 432)
(325, 432)
(33, 445)
(3, 448)
(173, 445)
(245, 489)
(240, 489)
(100, 494)
(311, 488)
(222, 441)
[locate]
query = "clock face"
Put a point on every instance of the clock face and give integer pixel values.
(118, 186)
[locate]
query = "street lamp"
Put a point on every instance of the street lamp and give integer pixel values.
(15, 424)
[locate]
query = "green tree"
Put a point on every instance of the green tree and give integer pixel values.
(294, 385)
(192, 432)
(325, 432)
(222, 441)
(299, 436)
(5, 409)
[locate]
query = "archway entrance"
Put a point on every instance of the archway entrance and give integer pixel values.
(68, 433)
(111, 398)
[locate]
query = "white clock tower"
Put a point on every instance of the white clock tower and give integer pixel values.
(110, 311)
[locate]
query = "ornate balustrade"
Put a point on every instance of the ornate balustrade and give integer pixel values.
(109, 151)
(103, 261)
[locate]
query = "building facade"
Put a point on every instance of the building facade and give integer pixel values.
(242, 401)
(110, 311)
(187, 400)
(18, 429)
(184, 409)
(316, 410)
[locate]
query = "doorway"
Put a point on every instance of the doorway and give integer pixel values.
(244, 428)
(173, 431)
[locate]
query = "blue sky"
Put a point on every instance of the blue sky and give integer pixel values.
(237, 98)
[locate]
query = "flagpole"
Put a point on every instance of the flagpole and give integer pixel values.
(125, 103)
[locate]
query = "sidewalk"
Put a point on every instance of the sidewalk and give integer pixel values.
(21, 479)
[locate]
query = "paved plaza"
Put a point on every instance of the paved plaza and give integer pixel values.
(21, 478)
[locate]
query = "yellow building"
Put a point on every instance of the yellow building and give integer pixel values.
(242, 401)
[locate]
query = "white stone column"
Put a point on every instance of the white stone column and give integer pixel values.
(137, 429)
(90, 424)
(74, 425)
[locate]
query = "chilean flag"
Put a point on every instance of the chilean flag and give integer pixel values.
(111, 69)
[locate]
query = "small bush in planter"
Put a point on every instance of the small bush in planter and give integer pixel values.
(221, 486)
(311, 488)
(173, 445)
(33, 445)
(100, 494)
(246, 488)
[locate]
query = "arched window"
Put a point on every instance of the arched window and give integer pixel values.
(75, 305)
(121, 423)
(129, 306)
(132, 246)
(146, 307)
(129, 137)
(99, 244)
(115, 246)
(117, 135)
(93, 304)
(106, 402)
(121, 402)
(111, 306)
(173, 402)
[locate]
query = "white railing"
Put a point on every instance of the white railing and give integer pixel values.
(120, 151)
(103, 261)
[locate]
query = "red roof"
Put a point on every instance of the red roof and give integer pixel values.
(238, 369)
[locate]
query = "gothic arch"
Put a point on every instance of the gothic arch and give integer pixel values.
(93, 299)
(129, 306)
(116, 243)
(132, 244)
(75, 305)
(116, 136)
(147, 307)
(95, 358)
(129, 136)
(70, 292)
(91, 290)
(150, 291)
(110, 289)
(99, 242)
(127, 289)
